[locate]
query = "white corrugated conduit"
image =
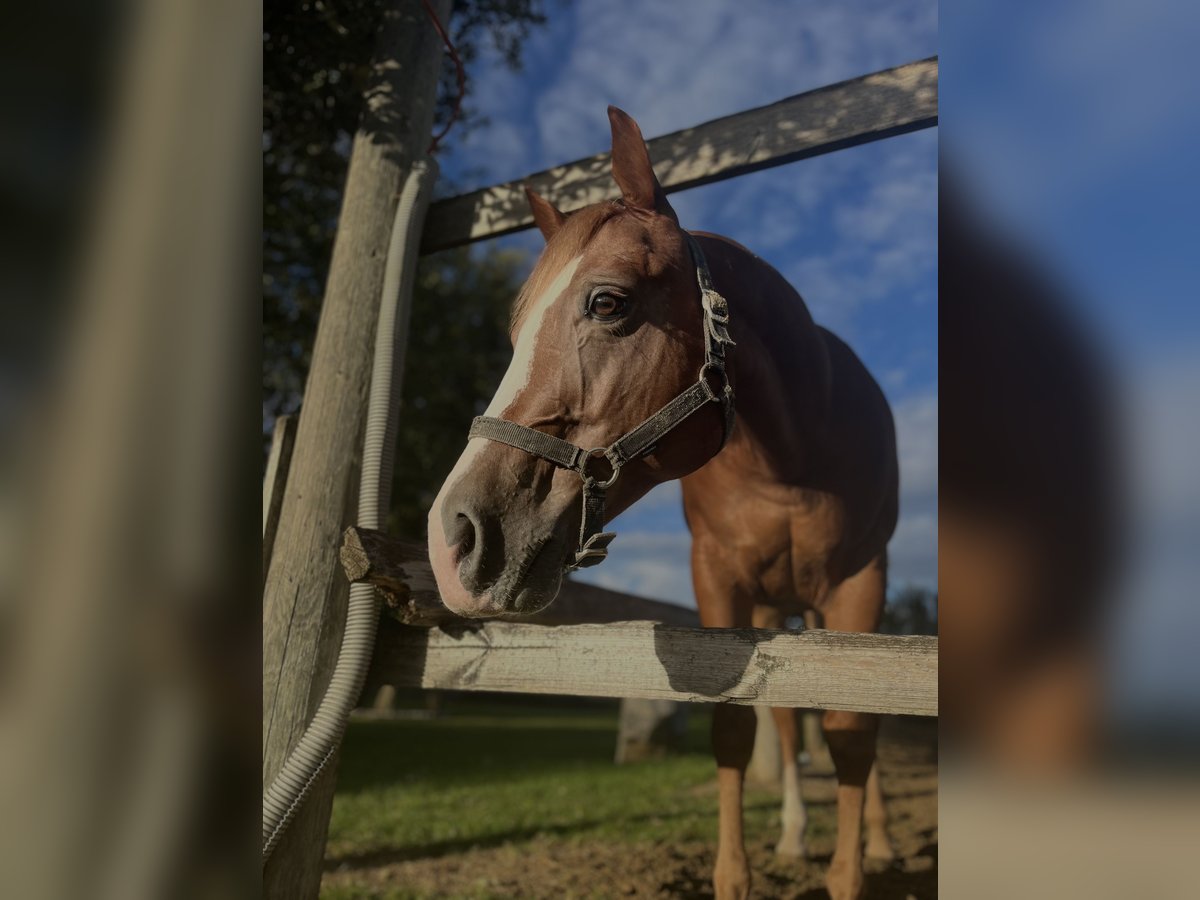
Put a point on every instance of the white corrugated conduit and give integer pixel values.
(324, 733)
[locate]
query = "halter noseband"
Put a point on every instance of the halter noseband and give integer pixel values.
(593, 540)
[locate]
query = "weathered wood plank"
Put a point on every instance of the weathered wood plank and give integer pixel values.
(400, 569)
(869, 108)
(304, 599)
(749, 666)
(279, 460)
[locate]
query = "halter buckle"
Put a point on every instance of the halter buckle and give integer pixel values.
(715, 305)
(596, 453)
(714, 393)
(593, 552)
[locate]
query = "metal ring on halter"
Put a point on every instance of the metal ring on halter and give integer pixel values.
(595, 453)
(714, 393)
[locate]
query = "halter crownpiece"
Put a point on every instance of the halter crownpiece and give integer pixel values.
(593, 540)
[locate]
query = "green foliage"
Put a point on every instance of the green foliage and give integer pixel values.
(913, 610)
(315, 63)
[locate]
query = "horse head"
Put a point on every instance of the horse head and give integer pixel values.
(606, 332)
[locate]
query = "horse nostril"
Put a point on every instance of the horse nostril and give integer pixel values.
(475, 541)
(462, 536)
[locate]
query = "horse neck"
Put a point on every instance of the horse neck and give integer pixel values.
(780, 366)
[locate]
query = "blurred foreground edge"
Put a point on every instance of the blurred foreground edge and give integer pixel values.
(1027, 495)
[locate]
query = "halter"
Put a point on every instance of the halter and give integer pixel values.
(593, 540)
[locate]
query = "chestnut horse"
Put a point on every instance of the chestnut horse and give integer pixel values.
(791, 510)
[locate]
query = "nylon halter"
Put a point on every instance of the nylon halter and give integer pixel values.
(641, 441)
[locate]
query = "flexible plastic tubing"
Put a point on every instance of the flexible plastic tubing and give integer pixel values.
(321, 738)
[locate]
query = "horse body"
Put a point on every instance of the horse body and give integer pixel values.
(806, 488)
(793, 512)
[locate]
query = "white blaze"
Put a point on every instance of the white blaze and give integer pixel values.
(515, 380)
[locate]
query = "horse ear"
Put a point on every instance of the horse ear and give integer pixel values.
(547, 218)
(631, 167)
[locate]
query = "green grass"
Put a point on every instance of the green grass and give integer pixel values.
(482, 776)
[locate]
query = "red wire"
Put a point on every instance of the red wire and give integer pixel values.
(460, 74)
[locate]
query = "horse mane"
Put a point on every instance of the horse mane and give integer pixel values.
(567, 243)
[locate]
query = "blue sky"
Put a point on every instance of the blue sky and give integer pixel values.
(855, 231)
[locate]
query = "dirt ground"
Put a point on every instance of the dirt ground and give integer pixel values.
(547, 867)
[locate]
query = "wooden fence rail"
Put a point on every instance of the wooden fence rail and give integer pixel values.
(749, 666)
(400, 570)
(644, 659)
(869, 108)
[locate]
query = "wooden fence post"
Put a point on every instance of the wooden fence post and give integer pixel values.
(305, 595)
(650, 729)
(279, 462)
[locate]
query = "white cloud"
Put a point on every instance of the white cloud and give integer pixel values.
(885, 230)
(672, 66)
(916, 418)
(912, 552)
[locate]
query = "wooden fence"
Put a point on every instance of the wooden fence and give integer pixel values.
(654, 660)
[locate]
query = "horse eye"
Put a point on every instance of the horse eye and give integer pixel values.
(606, 306)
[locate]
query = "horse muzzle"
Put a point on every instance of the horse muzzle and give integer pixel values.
(487, 566)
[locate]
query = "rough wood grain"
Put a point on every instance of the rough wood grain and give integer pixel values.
(810, 721)
(400, 569)
(749, 666)
(279, 461)
(869, 108)
(305, 595)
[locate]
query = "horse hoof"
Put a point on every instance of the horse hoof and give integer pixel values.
(791, 849)
(844, 882)
(732, 882)
(880, 853)
(732, 890)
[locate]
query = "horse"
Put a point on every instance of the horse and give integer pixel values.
(634, 336)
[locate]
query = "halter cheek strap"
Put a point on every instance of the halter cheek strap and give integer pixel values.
(712, 386)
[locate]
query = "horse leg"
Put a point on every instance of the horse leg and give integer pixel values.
(733, 743)
(723, 604)
(854, 605)
(879, 845)
(794, 816)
